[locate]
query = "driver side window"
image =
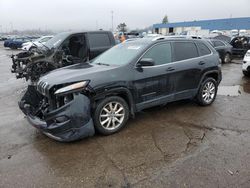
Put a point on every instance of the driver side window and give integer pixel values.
(161, 54)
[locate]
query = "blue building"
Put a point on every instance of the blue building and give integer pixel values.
(227, 24)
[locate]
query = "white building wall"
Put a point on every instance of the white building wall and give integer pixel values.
(163, 31)
(178, 30)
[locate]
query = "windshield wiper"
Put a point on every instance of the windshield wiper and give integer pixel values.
(103, 64)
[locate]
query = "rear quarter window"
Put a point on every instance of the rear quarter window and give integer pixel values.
(203, 49)
(184, 50)
(98, 40)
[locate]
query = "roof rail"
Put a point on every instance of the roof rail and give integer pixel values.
(159, 38)
(177, 37)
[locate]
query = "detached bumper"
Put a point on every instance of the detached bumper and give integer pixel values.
(68, 123)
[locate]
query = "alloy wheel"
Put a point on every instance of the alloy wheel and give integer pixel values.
(112, 115)
(208, 92)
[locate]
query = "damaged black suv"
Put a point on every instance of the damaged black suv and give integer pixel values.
(64, 49)
(72, 102)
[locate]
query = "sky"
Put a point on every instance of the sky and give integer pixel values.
(61, 15)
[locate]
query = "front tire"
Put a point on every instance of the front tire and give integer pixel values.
(207, 92)
(111, 115)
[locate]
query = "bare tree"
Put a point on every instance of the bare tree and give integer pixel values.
(122, 27)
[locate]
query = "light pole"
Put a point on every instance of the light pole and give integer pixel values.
(112, 20)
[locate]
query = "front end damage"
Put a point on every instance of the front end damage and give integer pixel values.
(64, 118)
(30, 65)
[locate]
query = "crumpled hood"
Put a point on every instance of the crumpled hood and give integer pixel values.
(77, 72)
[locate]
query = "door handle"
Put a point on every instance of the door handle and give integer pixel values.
(201, 63)
(169, 69)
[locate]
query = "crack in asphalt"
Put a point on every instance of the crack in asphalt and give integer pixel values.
(156, 145)
(191, 139)
(187, 124)
(220, 114)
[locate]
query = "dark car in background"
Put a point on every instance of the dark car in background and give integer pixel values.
(223, 48)
(7, 42)
(63, 49)
(72, 102)
(241, 44)
(15, 43)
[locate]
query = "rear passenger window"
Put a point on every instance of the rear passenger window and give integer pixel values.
(98, 40)
(204, 50)
(218, 44)
(161, 54)
(184, 50)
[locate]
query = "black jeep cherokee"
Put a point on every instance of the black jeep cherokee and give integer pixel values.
(72, 102)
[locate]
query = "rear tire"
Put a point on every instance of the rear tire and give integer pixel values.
(110, 115)
(227, 58)
(207, 92)
(13, 47)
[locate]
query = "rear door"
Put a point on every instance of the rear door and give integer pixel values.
(98, 43)
(153, 84)
(188, 68)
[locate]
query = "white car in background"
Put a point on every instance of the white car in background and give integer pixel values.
(246, 64)
(28, 46)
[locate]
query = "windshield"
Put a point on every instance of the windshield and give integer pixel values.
(120, 54)
(56, 40)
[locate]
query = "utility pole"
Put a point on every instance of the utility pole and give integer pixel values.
(112, 20)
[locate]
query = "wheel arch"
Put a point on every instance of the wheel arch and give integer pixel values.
(212, 74)
(122, 92)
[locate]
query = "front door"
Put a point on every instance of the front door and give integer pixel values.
(153, 84)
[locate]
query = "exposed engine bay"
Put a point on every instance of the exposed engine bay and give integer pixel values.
(63, 118)
(31, 65)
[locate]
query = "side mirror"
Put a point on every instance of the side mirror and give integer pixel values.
(145, 62)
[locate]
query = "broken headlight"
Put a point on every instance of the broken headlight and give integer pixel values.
(72, 88)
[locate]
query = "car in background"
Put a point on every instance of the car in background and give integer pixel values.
(16, 43)
(223, 48)
(243, 32)
(27, 46)
(132, 34)
(73, 102)
(3, 38)
(246, 64)
(234, 32)
(241, 44)
(7, 41)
